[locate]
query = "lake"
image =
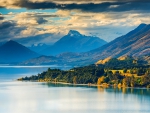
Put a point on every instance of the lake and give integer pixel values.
(34, 97)
(13, 72)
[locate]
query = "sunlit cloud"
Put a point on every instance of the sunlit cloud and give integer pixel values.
(107, 19)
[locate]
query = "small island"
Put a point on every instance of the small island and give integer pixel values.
(115, 72)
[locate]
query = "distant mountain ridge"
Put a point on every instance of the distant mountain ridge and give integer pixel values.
(43, 60)
(74, 42)
(135, 43)
(29, 40)
(38, 47)
(12, 51)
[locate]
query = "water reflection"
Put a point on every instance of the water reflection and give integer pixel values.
(136, 91)
(34, 97)
(100, 89)
(127, 91)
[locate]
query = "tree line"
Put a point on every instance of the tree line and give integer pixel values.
(100, 74)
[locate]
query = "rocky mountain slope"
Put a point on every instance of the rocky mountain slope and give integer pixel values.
(135, 43)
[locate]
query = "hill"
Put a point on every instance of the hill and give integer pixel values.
(12, 51)
(43, 60)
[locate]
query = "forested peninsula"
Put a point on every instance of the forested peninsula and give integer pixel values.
(117, 73)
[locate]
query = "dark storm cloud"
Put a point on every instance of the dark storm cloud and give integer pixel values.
(1, 17)
(93, 6)
(6, 24)
(8, 30)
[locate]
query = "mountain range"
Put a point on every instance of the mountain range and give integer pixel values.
(74, 42)
(38, 47)
(136, 43)
(32, 40)
(12, 52)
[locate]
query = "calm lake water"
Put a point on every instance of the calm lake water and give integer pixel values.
(34, 97)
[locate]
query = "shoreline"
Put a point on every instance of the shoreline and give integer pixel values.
(90, 84)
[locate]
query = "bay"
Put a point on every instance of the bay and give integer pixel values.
(35, 97)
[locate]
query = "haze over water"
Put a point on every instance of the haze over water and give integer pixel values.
(34, 97)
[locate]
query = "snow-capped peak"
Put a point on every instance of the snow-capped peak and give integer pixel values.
(74, 33)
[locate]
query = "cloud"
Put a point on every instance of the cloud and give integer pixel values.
(40, 20)
(29, 31)
(83, 5)
(101, 18)
(29, 19)
(62, 13)
(1, 17)
(6, 24)
(113, 6)
(29, 40)
(27, 24)
(9, 30)
(105, 19)
(34, 14)
(27, 35)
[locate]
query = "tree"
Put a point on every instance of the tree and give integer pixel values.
(132, 81)
(75, 79)
(100, 80)
(125, 70)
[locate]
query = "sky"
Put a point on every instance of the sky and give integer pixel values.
(46, 21)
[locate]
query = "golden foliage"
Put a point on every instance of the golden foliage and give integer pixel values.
(103, 61)
(100, 80)
(119, 85)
